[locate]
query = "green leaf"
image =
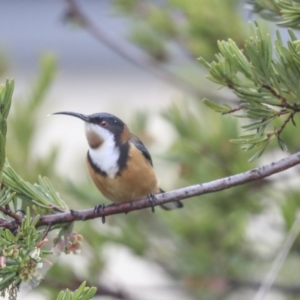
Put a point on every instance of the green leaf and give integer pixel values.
(258, 153)
(6, 92)
(2, 154)
(42, 195)
(82, 293)
(224, 108)
(80, 290)
(64, 295)
(89, 294)
(35, 220)
(8, 235)
(28, 217)
(253, 140)
(6, 101)
(8, 197)
(256, 125)
(7, 280)
(267, 86)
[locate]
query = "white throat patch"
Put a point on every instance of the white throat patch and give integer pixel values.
(107, 154)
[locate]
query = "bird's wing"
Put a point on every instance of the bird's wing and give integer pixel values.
(139, 145)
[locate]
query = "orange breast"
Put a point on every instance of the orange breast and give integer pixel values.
(136, 180)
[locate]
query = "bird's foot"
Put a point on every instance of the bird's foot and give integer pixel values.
(152, 199)
(97, 209)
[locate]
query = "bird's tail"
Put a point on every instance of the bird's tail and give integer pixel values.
(171, 205)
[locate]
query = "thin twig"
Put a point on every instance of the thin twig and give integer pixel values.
(278, 131)
(172, 196)
(7, 211)
(284, 102)
(273, 92)
(280, 113)
(140, 61)
(3, 221)
(46, 231)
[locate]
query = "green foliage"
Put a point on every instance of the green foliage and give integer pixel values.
(5, 102)
(21, 256)
(194, 150)
(285, 13)
(82, 293)
(148, 40)
(268, 88)
(185, 23)
(206, 239)
(41, 196)
(268, 8)
(23, 123)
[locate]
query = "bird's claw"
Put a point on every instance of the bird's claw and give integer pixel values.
(152, 199)
(97, 209)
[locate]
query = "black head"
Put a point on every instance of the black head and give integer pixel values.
(106, 121)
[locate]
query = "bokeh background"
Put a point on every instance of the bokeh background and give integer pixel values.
(139, 62)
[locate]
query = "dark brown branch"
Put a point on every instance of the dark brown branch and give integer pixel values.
(7, 211)
(46, 232)
(290, 117)
(281, 128)
(3, 221)
(284, 103)
(180, 194)
(273, 92)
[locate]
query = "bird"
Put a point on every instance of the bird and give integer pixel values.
(118, 162)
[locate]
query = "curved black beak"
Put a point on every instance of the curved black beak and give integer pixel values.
(73, 114)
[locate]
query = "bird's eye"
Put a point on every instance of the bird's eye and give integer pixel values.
(103, 123)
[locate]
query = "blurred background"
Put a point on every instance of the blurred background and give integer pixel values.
(138, 60)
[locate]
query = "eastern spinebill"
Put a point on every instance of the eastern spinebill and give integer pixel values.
(118, 162)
